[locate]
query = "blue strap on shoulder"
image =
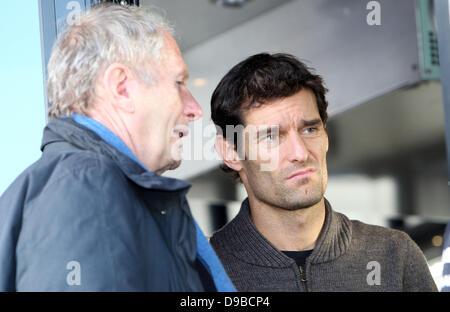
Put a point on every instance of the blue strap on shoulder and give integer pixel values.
(209, 259)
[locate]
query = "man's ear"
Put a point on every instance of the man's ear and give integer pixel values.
(119, 82)
(229, 155)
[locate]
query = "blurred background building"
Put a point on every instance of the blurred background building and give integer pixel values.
(387, 161)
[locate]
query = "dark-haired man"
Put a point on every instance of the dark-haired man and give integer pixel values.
(286, 236)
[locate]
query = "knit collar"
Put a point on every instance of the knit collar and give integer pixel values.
(246, 243)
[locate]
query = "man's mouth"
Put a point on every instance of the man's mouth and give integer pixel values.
(301, 174)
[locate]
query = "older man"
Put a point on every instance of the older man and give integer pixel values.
(94, 214)
(286, 236)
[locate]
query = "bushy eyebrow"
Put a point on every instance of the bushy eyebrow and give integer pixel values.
(312, 122)
(304, 123)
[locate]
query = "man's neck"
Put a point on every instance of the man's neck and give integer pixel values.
(114, 122)
(288, 230)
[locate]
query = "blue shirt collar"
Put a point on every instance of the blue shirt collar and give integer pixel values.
(146, 178)
(107, 135)
(205, 252)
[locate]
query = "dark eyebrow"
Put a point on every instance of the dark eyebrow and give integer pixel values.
(312, 122)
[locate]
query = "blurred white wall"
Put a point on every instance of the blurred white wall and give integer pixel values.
(369, 200)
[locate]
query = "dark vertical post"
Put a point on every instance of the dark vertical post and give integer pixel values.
(47, 18)
(52, 16)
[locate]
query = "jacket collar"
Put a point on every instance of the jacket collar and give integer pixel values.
(248, 244)
(65, 131)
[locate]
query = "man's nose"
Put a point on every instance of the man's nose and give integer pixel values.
(192, 109)
(297, 150)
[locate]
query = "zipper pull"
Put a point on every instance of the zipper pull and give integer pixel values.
(303, 278)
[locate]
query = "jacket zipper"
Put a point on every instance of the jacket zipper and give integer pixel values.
(303, 278)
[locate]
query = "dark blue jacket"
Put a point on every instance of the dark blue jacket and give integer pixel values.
(85, 217)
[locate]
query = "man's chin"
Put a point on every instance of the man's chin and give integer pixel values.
(174, 164)
(305, 198)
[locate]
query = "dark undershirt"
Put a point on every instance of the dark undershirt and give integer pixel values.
(208, 283)
(298, 256)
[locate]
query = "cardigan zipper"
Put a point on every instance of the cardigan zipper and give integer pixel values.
(303, 278)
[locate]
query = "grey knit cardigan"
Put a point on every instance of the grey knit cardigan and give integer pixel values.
(349, 256)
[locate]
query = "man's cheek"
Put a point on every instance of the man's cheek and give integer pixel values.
(270, 159)
(270, 166)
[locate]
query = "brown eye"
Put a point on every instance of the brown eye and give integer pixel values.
(311, 131)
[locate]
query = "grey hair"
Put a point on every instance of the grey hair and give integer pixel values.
(103, 35)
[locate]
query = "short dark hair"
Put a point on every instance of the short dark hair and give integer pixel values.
(257, 80)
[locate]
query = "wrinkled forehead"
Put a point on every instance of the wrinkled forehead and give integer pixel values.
(290, 111)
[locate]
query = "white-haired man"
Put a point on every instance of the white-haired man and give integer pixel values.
(94, 213)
